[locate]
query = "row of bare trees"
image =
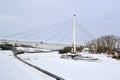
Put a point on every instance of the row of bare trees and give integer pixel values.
(108, 43)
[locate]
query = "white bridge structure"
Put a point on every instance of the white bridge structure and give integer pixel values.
(45, 36)
(36, 44)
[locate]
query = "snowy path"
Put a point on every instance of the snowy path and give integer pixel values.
(106, 69)
(13, 69)
(40, 69)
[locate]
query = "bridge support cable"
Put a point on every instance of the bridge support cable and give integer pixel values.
(50, 32)
(58, 34)
(34, 30)
(66, 35)
(43, 32)
(83, 30)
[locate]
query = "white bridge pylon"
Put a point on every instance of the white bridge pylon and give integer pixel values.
(74, 38)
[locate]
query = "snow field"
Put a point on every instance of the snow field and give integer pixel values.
(106, 69)
(13, 69)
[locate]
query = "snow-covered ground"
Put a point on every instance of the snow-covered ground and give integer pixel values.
(104, 69)
(13, 69)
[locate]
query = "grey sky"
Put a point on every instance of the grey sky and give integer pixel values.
(99, 17)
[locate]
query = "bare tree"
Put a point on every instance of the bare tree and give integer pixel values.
(105, 43)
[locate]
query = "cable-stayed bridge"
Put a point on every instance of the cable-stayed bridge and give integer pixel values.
(56, 35)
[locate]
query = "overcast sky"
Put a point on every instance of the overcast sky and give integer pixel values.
(99, 17)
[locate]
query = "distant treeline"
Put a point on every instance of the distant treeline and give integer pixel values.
(103, 44)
